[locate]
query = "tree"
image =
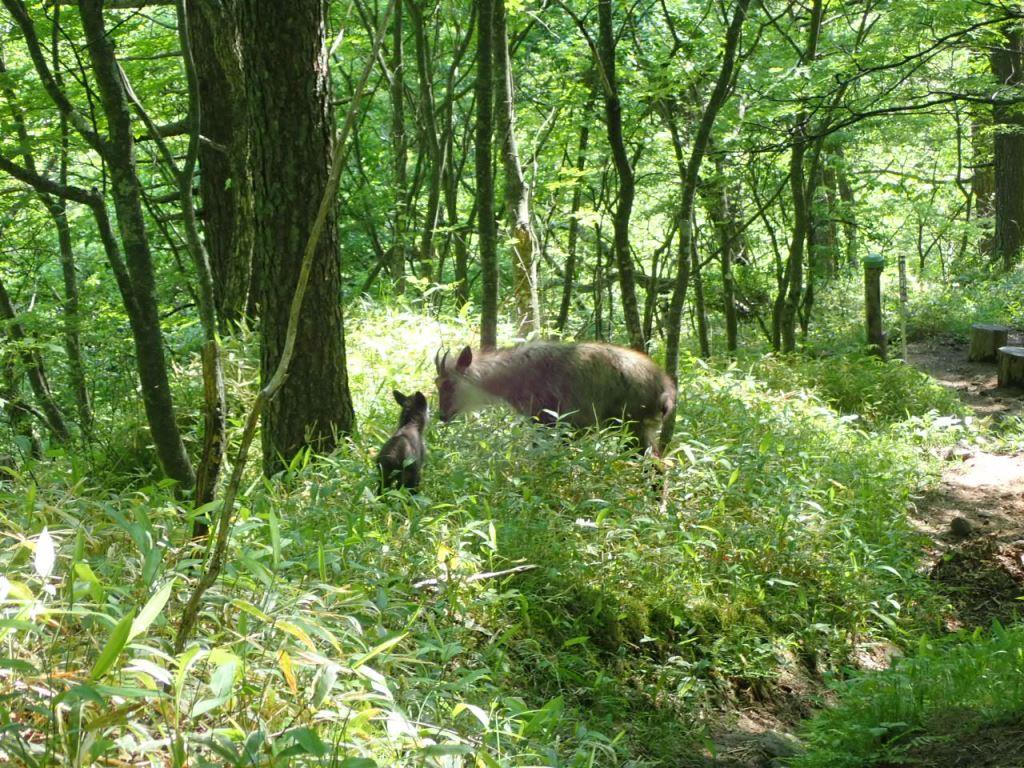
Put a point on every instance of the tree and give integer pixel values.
(134, 275)
(225, 187)
(517, 192)
(1007, 61)
(624, 170)
(291, 132)
(486, 224)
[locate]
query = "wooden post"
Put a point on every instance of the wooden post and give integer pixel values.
(986, 340)
(873, 266)
(1011, 366)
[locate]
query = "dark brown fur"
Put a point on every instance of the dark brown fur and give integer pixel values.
(584, 384)
(400, 460)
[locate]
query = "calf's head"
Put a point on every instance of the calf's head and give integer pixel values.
(414, 408)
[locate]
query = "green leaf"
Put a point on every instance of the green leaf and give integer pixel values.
(275, 538)
(116, 642)
(153, 607)
(377, 650)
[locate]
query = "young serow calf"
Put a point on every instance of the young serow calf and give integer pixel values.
(401, 457)
(585, 385)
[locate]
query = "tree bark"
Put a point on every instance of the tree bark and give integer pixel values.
(292, 129)
(487, 226)
(517, 192)
(1007, 62)
(225, 187)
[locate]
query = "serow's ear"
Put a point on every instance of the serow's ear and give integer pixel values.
(465, 358)
(399, 397)
(420, 401)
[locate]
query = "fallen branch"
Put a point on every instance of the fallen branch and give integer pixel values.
(474, 577)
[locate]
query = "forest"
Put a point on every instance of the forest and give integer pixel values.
(505, 383)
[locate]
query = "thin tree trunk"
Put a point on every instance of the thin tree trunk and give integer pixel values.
(699, 305)
(849, 210)
(788, 302)
(517, 192)
(430, 139)
(57, 210)
(399, 149)
(718, 204)
(487, 226)
(627, 181)
(126, 190)
(569, 273)
(34, 368)
(689, 175)
(19, 414)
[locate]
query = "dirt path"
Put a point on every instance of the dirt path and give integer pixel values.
(975, 516)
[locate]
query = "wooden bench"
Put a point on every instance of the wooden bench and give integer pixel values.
(1011, 366)
(986, 339)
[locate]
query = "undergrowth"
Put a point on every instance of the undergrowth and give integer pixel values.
(354, 631)
(934, 695)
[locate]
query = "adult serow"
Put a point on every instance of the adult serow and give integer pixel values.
(584, 385)
(400, 460)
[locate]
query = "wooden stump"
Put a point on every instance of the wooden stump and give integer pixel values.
(1011, 366)
(877, 339)
(986, 339)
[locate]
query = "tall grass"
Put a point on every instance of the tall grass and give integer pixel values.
(354, 630)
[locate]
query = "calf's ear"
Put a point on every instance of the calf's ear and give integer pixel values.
(399, 397)
(465, 358)
(420, 400)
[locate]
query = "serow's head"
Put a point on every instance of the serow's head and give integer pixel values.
(454, 390)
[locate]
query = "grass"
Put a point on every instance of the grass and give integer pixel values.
(943, 691)
(781, 540)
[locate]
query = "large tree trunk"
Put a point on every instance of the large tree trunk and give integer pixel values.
(1007, 61)
(517, 192)
(225, 188)
(488, 231)
(627, 181)
(119, 153)
(292, 129)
